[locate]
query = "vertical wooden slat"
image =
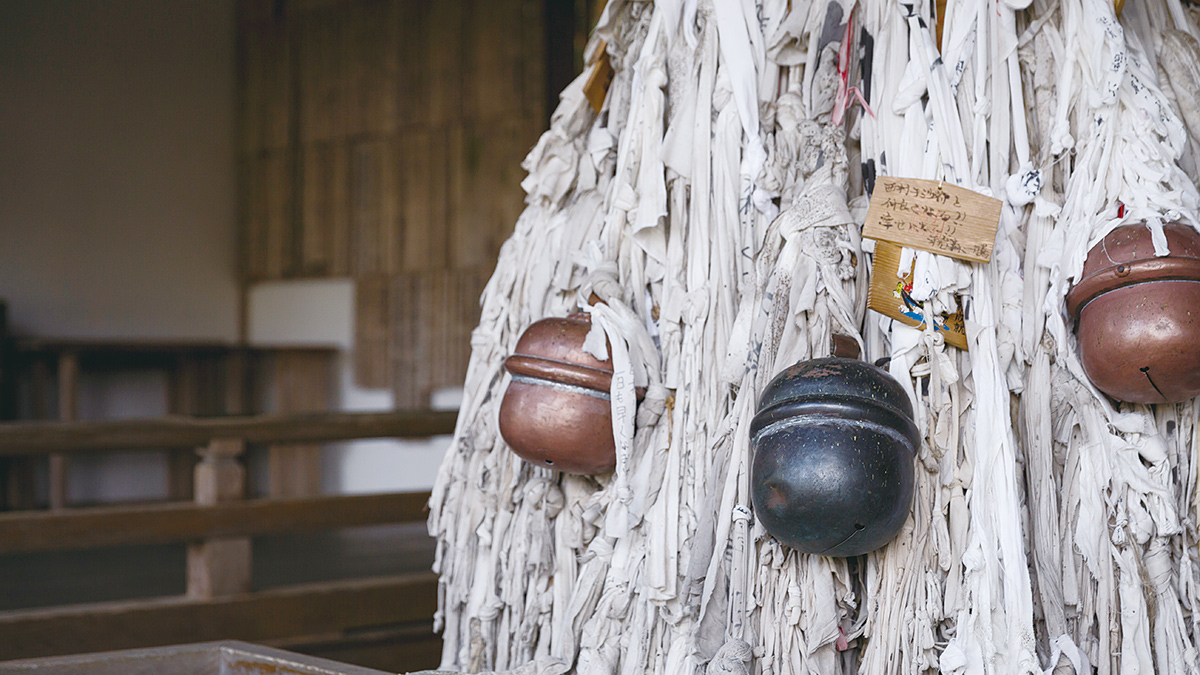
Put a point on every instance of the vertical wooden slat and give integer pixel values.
(250, 235)
(320, 83)
(410, 118)
(425, 198)
(303, 381)
(339, 211)
(266, 91)
(316, 241)
(538, 99)
(492, 60)
(366, 159)
(414, 70)
(372, 367)
(405, 336)
(486, 160)
(276, 214)
(324, 211)
(446, 22)
(391, 200)
(368, 57)
(251, 12)
(433, 315)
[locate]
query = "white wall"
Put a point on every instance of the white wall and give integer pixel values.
(321, 312)
(118, 218)
(117, 172)
(118, 193)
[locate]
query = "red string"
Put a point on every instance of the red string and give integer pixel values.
(846, 94)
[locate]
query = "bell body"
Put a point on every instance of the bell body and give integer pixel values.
(556, 411)
(834, 443)
(1137, 316)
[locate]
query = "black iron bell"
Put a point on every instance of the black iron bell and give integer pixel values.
(834, 443)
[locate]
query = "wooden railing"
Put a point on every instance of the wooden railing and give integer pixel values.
(217, 526)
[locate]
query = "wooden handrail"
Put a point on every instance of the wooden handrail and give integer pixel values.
(264, 616)
(27, 531)
(43, 438)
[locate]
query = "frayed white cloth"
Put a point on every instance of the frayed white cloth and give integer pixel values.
(713, 207)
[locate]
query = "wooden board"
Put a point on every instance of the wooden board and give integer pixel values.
(888, 295)
(424, 199)
(372, 321)
(321, 88)
(265, 207)
(265, 87)
(369, 57)
(303, 384)
(42, 438)
(933, 216)
(414, 73)
(366, 197)
(74, 529)
(492, 60)
(251, 239)
(309, 609)
(446, 37)
(433, 314)
(486, 161)
(324, 209)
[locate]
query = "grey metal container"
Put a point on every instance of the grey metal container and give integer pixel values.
(208, 658)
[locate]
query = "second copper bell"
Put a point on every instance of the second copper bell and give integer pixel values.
(1137, 315)
(556, 411)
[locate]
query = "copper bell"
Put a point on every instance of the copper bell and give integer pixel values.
(834, 444)
(1137, 316)
(556, 411)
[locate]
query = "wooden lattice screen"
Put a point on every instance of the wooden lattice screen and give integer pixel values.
(381, 140)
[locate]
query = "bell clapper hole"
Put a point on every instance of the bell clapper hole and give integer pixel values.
(549, 462)
(1146, 370)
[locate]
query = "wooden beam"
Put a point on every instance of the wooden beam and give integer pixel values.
(41, 438)
(308, 609)
(181, 521)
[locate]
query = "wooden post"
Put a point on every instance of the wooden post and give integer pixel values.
(68, 411)
(219, 566)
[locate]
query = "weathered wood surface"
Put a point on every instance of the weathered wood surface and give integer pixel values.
(303, 384)
(265, 616)
(219, 566)
(41, 438)
(95, 527)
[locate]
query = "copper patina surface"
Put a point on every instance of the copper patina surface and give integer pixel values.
(1138, 315)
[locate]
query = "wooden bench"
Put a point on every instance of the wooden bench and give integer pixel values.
(387, 617)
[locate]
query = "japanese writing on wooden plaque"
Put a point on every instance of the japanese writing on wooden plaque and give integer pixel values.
(933, 216)
(889, 295)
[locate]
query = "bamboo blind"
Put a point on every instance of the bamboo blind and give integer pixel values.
(381, 140)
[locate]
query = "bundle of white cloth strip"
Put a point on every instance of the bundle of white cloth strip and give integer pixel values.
(714, 207)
